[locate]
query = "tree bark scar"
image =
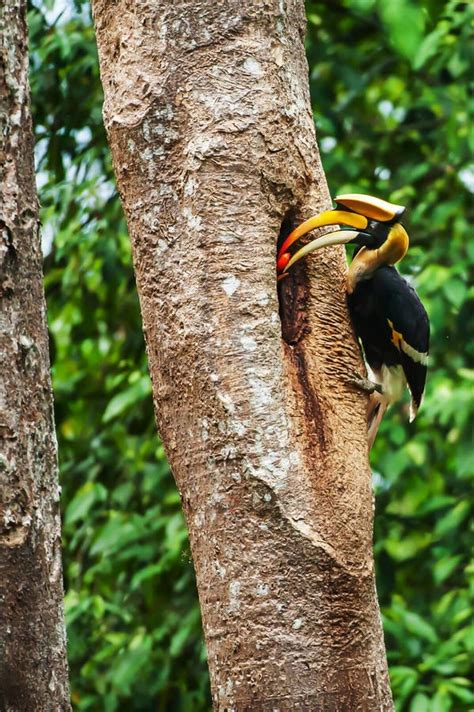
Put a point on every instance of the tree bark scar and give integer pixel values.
(292, 297)
(312, 406)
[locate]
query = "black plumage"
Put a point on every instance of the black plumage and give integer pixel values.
(393, 326)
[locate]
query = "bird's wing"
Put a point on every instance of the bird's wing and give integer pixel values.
(410, 328)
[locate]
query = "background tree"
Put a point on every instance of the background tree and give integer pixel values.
(391, 115)
(33, 669)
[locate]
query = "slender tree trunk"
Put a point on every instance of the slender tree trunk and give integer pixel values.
(210, 126)
(33, 669)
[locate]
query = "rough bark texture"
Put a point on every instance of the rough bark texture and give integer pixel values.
(33, 669)
(209, 122)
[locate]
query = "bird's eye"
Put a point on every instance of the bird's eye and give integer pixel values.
(372, 226)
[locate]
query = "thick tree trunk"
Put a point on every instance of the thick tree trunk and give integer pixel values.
(209, 121)
(33, 669)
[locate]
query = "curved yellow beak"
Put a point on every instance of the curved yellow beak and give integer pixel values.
(339, 237)
(328, 217)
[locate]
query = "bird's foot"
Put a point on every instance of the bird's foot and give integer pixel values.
(365, 384)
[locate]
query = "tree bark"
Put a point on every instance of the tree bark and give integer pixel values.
(33, 668)
(209, 121)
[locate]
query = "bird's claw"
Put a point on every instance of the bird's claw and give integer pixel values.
(364, 384)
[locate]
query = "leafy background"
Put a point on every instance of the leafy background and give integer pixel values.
(389, 83)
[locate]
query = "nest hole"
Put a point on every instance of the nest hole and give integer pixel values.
(292, 290)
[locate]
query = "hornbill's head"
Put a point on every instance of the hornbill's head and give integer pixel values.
(380, 237)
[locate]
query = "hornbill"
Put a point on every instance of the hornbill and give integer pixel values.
(388, 317)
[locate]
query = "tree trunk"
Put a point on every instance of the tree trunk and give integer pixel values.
(210, 125)
(33, 668)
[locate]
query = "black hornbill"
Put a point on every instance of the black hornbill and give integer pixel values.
(387, 314)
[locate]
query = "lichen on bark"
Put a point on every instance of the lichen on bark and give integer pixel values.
(33, 668)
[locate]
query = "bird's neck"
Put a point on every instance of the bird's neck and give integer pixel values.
(366, 261)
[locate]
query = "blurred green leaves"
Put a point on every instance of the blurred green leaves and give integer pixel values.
(138, 390)
(404, 22)
(389, 82)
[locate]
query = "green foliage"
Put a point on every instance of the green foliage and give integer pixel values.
(389, 86)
